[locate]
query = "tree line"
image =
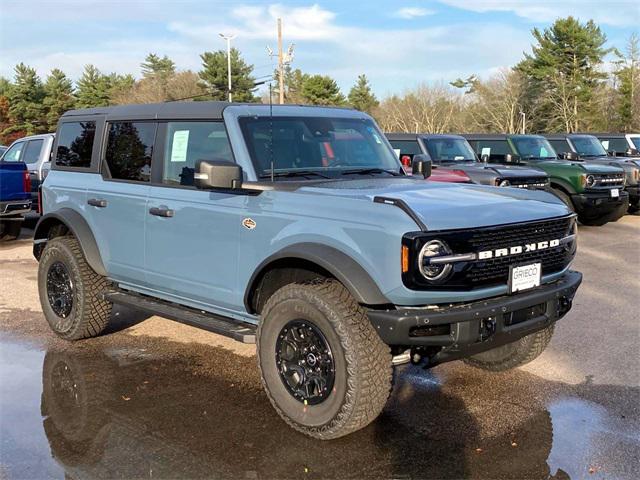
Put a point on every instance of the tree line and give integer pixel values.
(562, 85)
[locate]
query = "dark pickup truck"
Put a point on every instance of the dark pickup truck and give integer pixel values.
(15, 197)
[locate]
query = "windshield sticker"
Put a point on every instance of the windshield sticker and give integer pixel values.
(397, 150)
(179, 146)
(605, 144)
(543, 152)
(486, 151)
(458, 157)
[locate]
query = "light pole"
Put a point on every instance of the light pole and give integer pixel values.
(524, 121)
(228, 38)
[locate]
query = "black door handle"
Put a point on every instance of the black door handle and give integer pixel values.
(161, 212)
(97, 202)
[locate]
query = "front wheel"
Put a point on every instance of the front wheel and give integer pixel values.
(514, 354)
(323, 366)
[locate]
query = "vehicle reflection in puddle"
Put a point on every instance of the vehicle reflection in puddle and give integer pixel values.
(165, 411)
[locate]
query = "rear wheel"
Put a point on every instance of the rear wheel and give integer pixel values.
(323, 366)
(10, 228)
(513, 354)
(70, 291)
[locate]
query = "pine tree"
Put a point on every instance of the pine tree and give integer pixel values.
(293, 82)
(59, 98)
(214, 75)
(93, 88)
(627, 75)
(562, 73)
(154, 66)
(322, 90)
(361, 97)
(25, 100)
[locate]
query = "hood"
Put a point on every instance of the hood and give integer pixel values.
(509, 171)
(447, 206)
(570, 166)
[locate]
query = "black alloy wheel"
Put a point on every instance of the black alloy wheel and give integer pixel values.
(305, 362)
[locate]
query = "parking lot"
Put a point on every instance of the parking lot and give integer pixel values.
(158, 399)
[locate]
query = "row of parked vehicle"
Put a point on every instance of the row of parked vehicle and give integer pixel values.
(599, 185)
(298, 228)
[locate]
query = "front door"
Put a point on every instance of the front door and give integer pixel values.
(192, 235)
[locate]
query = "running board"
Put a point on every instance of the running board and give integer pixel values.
(240, 331)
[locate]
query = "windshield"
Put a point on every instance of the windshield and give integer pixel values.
(588, 147)
(317, 146)
(450, 150)
(636, 141)
(533, 148)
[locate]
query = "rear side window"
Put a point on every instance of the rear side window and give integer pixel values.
(75, 143)
(188, 142)
(14, 153)
(129, 149)
(32, 152)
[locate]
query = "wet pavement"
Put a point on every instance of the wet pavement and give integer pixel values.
(154, 399)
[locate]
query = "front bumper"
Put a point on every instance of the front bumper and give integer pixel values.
(465, 329)
(14, 207)
(598, 204)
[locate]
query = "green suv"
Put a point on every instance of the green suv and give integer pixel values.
(595, 192)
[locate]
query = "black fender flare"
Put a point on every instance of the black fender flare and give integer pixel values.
(80, 229)
(563, 184)
(344, 268)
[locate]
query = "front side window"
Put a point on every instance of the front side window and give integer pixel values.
(618, 145)
(14, 153)
(492, 148)
(534, 148)
(560, 146)
(32, 152)
(450, 150)
(129, 149)
(75, 143)
(406, 147)
(635, 140)
(323, 146)
(188, 142)
(588, 147)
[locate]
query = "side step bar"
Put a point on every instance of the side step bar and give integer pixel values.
(242, 332)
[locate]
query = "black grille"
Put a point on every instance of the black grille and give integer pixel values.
(612, 180)
(531, 182)
(496, 270)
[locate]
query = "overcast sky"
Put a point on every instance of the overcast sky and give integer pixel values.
(397, 44)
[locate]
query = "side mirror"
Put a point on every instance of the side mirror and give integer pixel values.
(573, 156)
(421, 165)
(217, 174)
(632, 152)
(510, 158)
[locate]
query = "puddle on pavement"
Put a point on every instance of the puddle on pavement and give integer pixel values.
(132, 408)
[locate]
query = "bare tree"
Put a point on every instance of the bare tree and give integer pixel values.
(181, 85)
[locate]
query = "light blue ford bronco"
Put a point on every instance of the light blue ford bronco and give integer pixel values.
(296, 228)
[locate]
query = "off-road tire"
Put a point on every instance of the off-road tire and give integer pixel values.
(363, 370)
(513, 354)
(10, 230)
(90, 313)
(565, 198)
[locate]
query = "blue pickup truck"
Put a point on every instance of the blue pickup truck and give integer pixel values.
(15, 195)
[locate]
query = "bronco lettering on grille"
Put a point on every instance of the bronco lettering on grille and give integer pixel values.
(518, 249)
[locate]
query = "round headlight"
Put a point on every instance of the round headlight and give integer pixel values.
(505, 183)
(591, 181)
(434, 272)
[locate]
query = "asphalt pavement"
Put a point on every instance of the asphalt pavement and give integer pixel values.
(157, 399)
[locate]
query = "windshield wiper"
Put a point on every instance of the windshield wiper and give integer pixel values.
(367, 171)
(295, 173)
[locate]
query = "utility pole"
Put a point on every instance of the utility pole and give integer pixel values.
(280, 63)
(284, 59)
(228, 38)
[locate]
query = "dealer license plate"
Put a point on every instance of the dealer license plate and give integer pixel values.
(524, 277)
(615, 193)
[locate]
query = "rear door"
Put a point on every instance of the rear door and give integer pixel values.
(117, 198)
(192, 235)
